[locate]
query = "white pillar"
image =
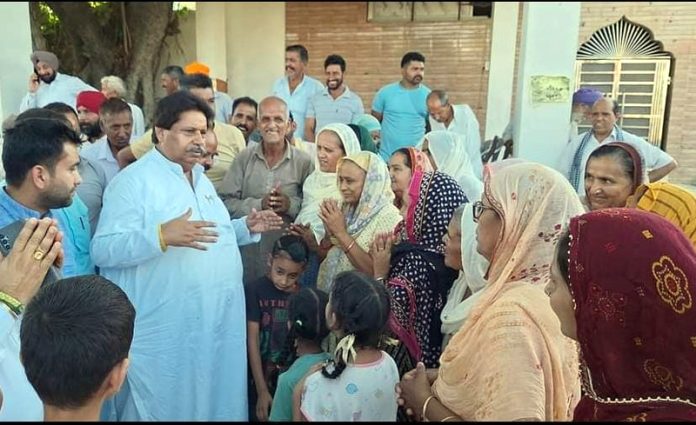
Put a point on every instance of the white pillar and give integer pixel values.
(255, 47)
(501, 74)
(15, 49)
(548, 47)
(211, 33)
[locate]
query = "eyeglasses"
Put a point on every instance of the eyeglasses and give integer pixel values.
(478, 210)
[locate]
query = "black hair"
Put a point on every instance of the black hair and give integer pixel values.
(618, 155)
(170, 108)
(72, 335)
(196, 81)
(61, 108)
(302, 50)
(563, 255)
(37, 137)
(356, 130)
(174, 71)
(404, 152)
(245, 101)
(362, 306)
(335, 60)
(306, 313)
(412, 57)
(114, 106)
(293, 247)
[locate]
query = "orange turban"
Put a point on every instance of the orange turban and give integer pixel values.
(197, 68)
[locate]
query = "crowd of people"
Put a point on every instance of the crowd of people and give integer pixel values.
(293, 258)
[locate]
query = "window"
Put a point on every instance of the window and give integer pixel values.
(624, 62)
(421, 11)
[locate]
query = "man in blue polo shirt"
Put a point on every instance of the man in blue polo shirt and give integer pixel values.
(335, 104)
(296, 88)
(401, 107)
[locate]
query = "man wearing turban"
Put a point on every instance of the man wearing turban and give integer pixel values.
(47, 85)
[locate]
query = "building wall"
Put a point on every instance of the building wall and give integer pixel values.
(457, 54)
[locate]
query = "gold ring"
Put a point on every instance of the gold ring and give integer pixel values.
(39, 254)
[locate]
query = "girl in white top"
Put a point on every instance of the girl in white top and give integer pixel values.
(360, 383)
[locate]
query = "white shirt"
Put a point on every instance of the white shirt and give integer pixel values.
(20, 401)
(465, 124)
(64, 88)
(297, 100)
(652, 156)
(138, 121)
(100, 154)
(363, 392)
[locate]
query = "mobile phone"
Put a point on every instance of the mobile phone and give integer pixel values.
(8, 235)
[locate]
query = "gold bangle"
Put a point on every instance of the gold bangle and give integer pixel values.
(352, 244)
(425, 407)
(12, 303)
(163, 244)
(449, 417)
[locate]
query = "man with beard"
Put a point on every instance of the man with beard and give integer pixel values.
(336, 104)
(47, 85)
(41, 164)
(296, 88)
(244, 118)
(88, 104)
(116, 121)
(400, 107)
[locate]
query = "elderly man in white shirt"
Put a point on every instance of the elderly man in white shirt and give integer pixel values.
(47, 85)
(114, 87)
(459, 119)
(605, 112)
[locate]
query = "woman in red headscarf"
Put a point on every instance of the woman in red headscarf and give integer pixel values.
(624, 286)
(403, 164)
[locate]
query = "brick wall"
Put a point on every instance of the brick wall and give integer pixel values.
(457, 52)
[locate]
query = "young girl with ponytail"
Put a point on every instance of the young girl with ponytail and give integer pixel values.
(359, 384)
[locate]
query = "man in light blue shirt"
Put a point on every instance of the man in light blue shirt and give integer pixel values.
(401, 107)
(296, 88)
(41, 159)
(47, 85)
(335, 104)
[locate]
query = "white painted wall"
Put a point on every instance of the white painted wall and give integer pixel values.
(211, 36)
(255, 47)
(15, 49)
(501, 74)
(549, 42)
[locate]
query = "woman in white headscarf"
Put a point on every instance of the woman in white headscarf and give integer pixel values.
(448, 155)
(333, 142)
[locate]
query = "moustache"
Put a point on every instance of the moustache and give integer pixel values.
(197, 150)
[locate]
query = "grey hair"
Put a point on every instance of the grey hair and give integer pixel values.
(116, 84)
(441, 95)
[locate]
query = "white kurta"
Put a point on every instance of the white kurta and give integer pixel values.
(188, 359)
(466, 125)
(64, 88)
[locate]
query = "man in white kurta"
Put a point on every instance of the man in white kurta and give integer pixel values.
(459, 119)
(187, 360)
(47, 85)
